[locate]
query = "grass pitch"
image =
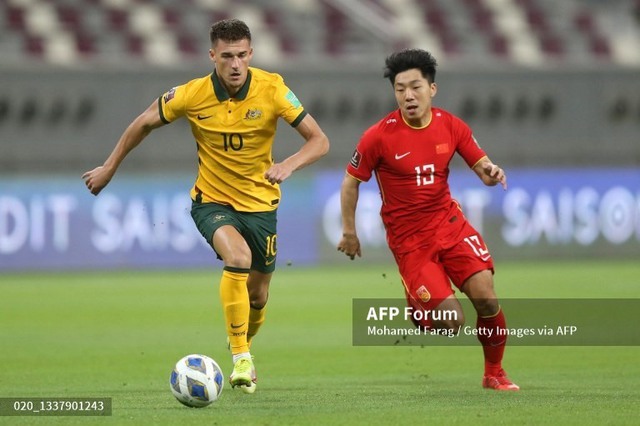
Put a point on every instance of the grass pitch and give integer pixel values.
(118, 334)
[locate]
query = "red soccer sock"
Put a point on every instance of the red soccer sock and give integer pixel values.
(492, 336)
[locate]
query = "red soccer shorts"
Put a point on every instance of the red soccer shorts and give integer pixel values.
(454, 253)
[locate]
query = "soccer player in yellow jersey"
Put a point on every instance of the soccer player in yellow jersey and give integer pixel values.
(233, 114)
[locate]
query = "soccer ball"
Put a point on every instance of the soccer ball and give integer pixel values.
(196, 380)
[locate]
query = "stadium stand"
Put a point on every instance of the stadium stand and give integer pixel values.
(165, 33)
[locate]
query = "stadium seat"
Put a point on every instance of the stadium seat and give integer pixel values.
(112, 31)
(14, 17)
(34, 46)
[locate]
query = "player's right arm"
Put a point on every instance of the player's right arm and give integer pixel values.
(349, 192)
(490, 174)
(97, 179)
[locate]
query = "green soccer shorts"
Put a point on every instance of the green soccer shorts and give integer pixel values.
(258, 229)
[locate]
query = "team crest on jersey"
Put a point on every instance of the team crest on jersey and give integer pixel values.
(423, 294)
(253, 114)
(293, 99)
(169, 95)
(355, 159)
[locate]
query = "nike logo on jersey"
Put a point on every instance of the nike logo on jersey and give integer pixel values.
(203, 117)
(398, 157)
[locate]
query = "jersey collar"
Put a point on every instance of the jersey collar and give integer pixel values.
(221, 92)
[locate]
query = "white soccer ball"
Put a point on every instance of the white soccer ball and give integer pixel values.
(196, 380)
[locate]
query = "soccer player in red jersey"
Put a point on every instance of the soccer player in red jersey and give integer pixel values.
(431, 240)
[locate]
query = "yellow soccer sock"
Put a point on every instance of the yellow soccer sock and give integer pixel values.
(235, 304)
(256, 318)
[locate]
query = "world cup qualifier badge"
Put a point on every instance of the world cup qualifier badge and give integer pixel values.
(293, 99)
(169, 95)
(355, 159)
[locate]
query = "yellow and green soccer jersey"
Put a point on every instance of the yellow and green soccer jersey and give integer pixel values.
(234, 136)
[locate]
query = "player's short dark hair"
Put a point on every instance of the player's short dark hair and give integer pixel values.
(229, 30)
(408, 59)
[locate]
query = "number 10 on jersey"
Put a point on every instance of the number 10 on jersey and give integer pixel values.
(232, 141)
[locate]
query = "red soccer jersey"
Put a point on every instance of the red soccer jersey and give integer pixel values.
(412, 166)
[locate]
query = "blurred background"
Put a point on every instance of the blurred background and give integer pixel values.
(551, 90)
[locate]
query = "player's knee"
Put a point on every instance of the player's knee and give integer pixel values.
(257, 300)
(258, 294)
(453, 323)
(238, 259)
(448, 324)
(486, 306)
(441, 320)
(448, 315)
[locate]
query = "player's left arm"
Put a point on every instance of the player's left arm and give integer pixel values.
(490, 174)
(315, 146)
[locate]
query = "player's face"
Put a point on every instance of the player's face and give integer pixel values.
(413, 93)
(232, 62)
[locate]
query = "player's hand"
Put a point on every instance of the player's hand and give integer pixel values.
(350, 245)
(277, 173)
(97, 179)
(496, 175)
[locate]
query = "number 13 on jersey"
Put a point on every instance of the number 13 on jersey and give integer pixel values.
(425, 174)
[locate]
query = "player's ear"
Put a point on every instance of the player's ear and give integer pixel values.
(434, 89)
(212, 55)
